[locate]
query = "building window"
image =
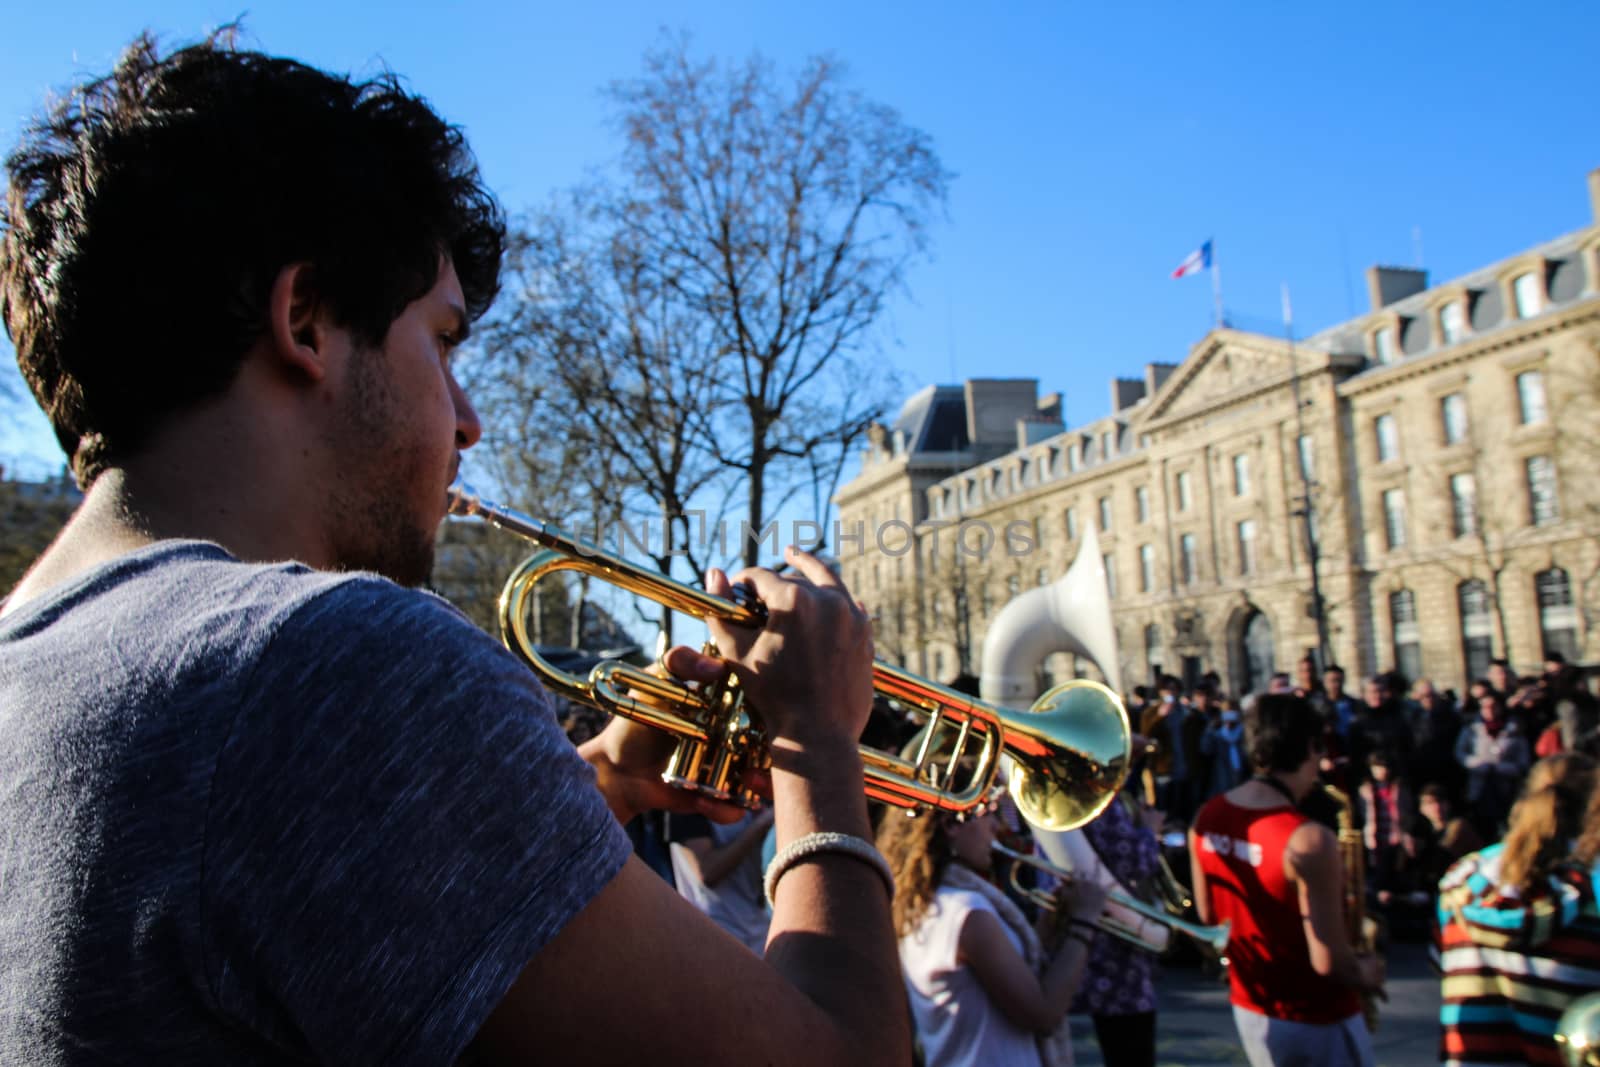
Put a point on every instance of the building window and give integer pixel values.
(1383, 344)
(1105, 445)
(1105, 514)
(1558, 619)
(1530, 397)
(1182, 489)
(1452, 322)
(1109, 561)
(1071, 519)
(1407, 636)
(1464, 504)
(1147, 568)
(1477, 627)
(1543, 508)
(1394, 517)
(1308, 457)
(986, 602)
(1453, 416)
(1247, 546)
(1188, 560)
(1042, 577)
(1527, 295)
(1388, 435)
(1013, 586)
(1152, 648)
(1141, 503)
(1241, 474)
(938, 664)
(936, 612)
(1072, 457)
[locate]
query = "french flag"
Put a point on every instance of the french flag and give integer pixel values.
(1195, 262)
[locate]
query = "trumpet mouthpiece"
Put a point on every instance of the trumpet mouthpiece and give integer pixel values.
(460, 499)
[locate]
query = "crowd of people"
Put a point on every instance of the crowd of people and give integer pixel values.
(264, 801)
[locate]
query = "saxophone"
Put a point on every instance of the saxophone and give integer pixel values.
(1362, 928)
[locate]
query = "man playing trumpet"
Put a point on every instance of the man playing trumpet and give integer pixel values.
(262, 803)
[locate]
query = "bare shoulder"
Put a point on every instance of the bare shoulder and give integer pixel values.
(1310, 851)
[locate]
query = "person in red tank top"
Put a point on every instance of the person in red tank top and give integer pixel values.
(1276, 875)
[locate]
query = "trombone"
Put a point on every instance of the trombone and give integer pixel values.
(1214, 938)
(1069, 753)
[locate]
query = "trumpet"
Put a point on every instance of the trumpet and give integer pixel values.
(1068, 754)
(1122, 927)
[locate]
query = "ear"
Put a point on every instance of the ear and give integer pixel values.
(298, 323)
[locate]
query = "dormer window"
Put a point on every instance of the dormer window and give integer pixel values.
(1527, 295)
(1452, 322)
(1383, 344)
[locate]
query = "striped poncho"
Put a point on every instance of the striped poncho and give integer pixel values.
(1512, 963)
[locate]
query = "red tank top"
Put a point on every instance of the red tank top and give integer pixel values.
(1241, 854)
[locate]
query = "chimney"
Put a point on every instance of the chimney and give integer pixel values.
(1050, 408)
(1125, 392)
(1385, 285)
(1156, 375)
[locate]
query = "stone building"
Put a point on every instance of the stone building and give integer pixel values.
(1443, 450)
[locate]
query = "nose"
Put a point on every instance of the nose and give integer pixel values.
(468, 429)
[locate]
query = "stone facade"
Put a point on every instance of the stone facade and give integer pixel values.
(1445, 448)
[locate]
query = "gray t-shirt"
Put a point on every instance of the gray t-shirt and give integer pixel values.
(262, 814)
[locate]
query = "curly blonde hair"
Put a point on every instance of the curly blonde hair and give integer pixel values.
(1549, 814)
(918, 853)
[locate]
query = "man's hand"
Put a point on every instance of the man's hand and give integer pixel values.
(808, 672)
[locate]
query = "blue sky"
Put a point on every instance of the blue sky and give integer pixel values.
(1094, 145)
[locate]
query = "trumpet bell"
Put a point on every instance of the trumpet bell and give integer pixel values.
(1069, 754)
(1578, 1032)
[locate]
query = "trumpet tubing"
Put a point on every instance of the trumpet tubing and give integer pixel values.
(1214, 938)
(1069, 753)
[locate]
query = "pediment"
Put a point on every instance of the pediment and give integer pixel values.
(1223, 365)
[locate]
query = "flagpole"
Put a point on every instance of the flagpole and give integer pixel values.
(1216, 286)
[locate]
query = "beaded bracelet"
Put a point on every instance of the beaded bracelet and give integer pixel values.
(803, 848)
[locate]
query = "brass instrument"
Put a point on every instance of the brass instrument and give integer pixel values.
(1172, 894)
(1069, 752)
(1362, 929)
(1578, 1032)
(1214, 938)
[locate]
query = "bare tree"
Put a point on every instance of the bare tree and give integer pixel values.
(1575, 408)
(784, 216)
(1484, 519)
(625, 373)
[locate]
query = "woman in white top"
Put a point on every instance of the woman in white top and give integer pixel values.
(983, 991)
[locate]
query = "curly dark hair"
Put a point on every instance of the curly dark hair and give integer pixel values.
(149, 212)
(1281, 731)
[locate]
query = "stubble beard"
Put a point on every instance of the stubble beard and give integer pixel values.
(377, 528)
